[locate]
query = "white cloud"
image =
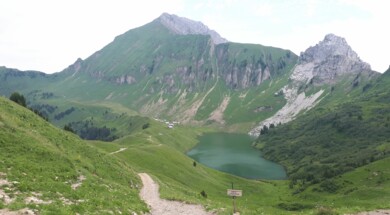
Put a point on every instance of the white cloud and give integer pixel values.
(264, 9)
(311, 7)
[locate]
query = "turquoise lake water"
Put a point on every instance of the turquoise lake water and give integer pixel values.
(234, 154)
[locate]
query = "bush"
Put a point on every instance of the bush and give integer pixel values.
(203, 193)
(325, 211)
(145, 126)
(18, 98)
(293, 206)
(329, 186)
(68, 127)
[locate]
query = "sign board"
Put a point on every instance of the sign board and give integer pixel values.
(236, 193)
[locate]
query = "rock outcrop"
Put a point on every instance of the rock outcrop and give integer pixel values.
(125, 79)
(184, 26)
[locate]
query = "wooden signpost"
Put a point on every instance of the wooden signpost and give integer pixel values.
(234, 193)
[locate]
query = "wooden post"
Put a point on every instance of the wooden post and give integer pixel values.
(234, 201)
(234, 193)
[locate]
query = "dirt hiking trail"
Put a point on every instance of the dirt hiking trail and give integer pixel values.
(149, 193)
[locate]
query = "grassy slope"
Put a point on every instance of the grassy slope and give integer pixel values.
(44, 159)
(47, 160)
(364, 189)
(152, 151)
(62, 155)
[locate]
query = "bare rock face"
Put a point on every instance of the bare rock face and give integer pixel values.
(325, 62)
(125, 79)
(245, 76)
(184, 26)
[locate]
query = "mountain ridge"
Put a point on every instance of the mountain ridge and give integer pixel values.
(171, 68)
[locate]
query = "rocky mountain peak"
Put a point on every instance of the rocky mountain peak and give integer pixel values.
(184, 26)
(331, 46)
(325, 63)
(327, 60)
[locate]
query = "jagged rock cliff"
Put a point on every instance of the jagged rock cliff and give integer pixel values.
(327, 61)
(244, 67)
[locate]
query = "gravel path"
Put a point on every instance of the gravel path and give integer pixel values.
(377, 212)
(149, 193)
(120, 150)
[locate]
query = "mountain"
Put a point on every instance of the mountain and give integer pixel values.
(178, 69)
(336, 150)
(328, 65)
(171, 68)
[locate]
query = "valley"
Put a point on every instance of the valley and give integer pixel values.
(319, 124)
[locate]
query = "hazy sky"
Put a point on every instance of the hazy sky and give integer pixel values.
(48, 35)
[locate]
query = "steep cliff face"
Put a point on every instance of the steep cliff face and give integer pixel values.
(325, 64)
(244, 65)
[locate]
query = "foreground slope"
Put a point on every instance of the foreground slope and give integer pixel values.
(54, 172)
(155, 151)
(51, 171)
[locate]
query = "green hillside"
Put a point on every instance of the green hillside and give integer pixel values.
(156, 73)
(333, 139)
(41, 161)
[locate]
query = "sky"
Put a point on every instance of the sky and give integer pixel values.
(48, 36)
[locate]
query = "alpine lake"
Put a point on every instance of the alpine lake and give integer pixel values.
(234, 154)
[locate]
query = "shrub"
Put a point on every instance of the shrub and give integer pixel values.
(145, 126)
(329, 186)
(293, 206)
(18, 98)
(325, 211)
(68, 127)
(203, 193)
